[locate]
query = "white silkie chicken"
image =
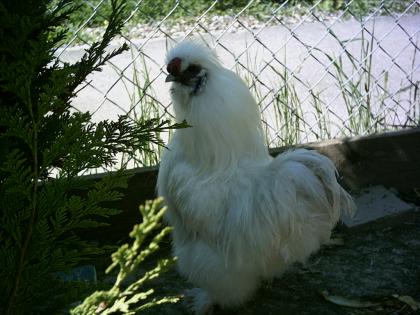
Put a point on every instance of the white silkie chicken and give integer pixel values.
(239, 215)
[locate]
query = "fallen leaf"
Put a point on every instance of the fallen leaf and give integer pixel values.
(408, 300)
(335, 242)
(342, 301)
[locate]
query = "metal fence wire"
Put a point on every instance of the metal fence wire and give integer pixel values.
(316, 74)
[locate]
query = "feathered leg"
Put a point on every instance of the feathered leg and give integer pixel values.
(220, 282)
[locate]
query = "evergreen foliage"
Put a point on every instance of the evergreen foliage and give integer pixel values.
(128, 296)
(44, 145)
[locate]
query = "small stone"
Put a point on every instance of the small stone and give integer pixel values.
(82, 273)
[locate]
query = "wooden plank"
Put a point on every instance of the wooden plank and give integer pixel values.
(390, 159)
(141, 187)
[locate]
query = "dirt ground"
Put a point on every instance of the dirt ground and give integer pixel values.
(374, 262)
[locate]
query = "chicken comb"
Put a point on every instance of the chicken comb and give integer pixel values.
(174, 66)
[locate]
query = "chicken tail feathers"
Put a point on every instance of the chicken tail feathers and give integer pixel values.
(323, 168)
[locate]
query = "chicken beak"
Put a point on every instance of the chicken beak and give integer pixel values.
(170, 78)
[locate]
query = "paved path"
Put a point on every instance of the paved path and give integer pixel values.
(394, 54)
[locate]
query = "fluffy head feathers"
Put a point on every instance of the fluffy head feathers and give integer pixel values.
(189, 52)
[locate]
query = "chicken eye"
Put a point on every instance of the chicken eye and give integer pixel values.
(192, 70)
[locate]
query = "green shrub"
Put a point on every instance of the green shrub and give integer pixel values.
(45, 144)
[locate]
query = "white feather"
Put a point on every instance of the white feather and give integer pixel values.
(239, 215)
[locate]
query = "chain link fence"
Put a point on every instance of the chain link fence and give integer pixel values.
(319, 70)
